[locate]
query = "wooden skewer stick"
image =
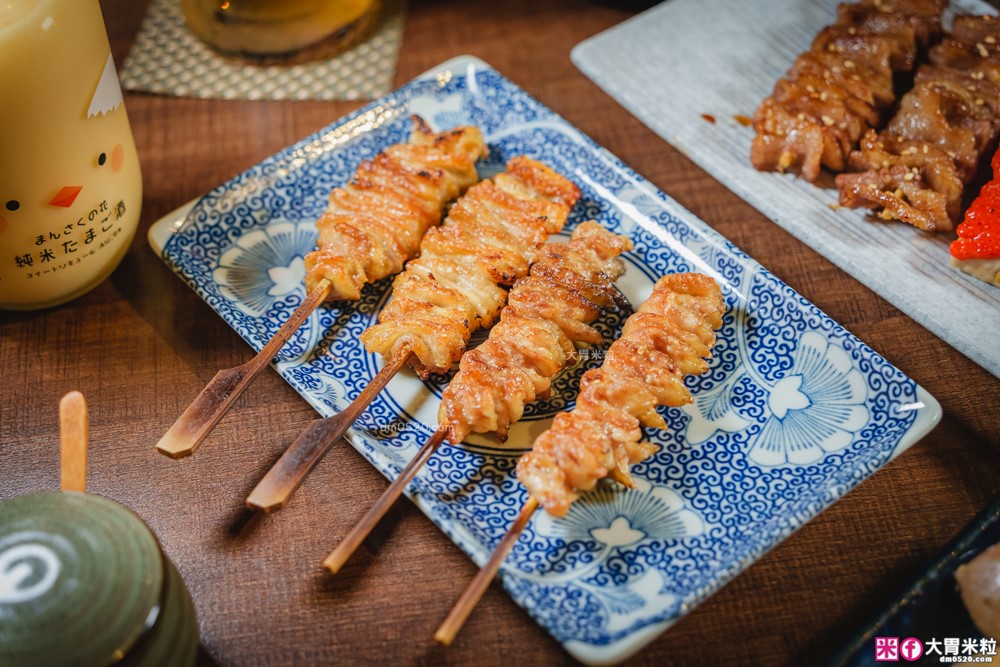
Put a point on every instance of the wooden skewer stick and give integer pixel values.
(353, 540)
(74, 428)
(460, 612)
(222, 391)
(281, 481)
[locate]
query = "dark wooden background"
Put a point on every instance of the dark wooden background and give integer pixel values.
(142, 345)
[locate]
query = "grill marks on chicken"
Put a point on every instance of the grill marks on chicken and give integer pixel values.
(917, 168)
(668, 338)
(489, 239)
(840, 88)
(374, 224)
(548, 312)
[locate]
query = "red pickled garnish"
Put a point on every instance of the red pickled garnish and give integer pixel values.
(979, 232)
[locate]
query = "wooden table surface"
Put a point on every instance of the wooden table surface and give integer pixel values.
(142, 344)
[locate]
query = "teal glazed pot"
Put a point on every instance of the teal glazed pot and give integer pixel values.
(83, 581)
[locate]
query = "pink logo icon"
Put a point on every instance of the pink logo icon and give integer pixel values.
(911, 649)
(887, 649)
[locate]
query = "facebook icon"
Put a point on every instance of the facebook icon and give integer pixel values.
(911, 649)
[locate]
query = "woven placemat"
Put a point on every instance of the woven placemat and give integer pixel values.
(168, 59)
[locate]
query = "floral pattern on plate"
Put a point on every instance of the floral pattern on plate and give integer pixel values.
(793, 412)
(274, 252)
(815, 408)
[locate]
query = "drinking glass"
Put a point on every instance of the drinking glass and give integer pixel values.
(278, 27)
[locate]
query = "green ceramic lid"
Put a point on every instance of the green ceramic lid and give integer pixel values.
(80, 580)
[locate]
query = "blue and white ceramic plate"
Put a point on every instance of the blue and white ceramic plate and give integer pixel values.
(794, 412)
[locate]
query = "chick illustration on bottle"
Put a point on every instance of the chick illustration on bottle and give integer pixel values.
(70, 184)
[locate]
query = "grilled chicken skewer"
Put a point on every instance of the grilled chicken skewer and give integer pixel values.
(917, 168)
(456, 286)
(548, 314)
(371, 226)
(842, 85)
(376, 223)
(669, 337)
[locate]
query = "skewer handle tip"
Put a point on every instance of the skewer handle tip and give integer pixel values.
(193, 426)
(214, 401)
(364, 527)
(281, 481)
(259, 501)
(463, 608)
(74, 428)
(332, 564)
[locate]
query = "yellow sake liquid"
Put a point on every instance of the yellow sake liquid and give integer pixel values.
(272, 27)
(70, 185)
